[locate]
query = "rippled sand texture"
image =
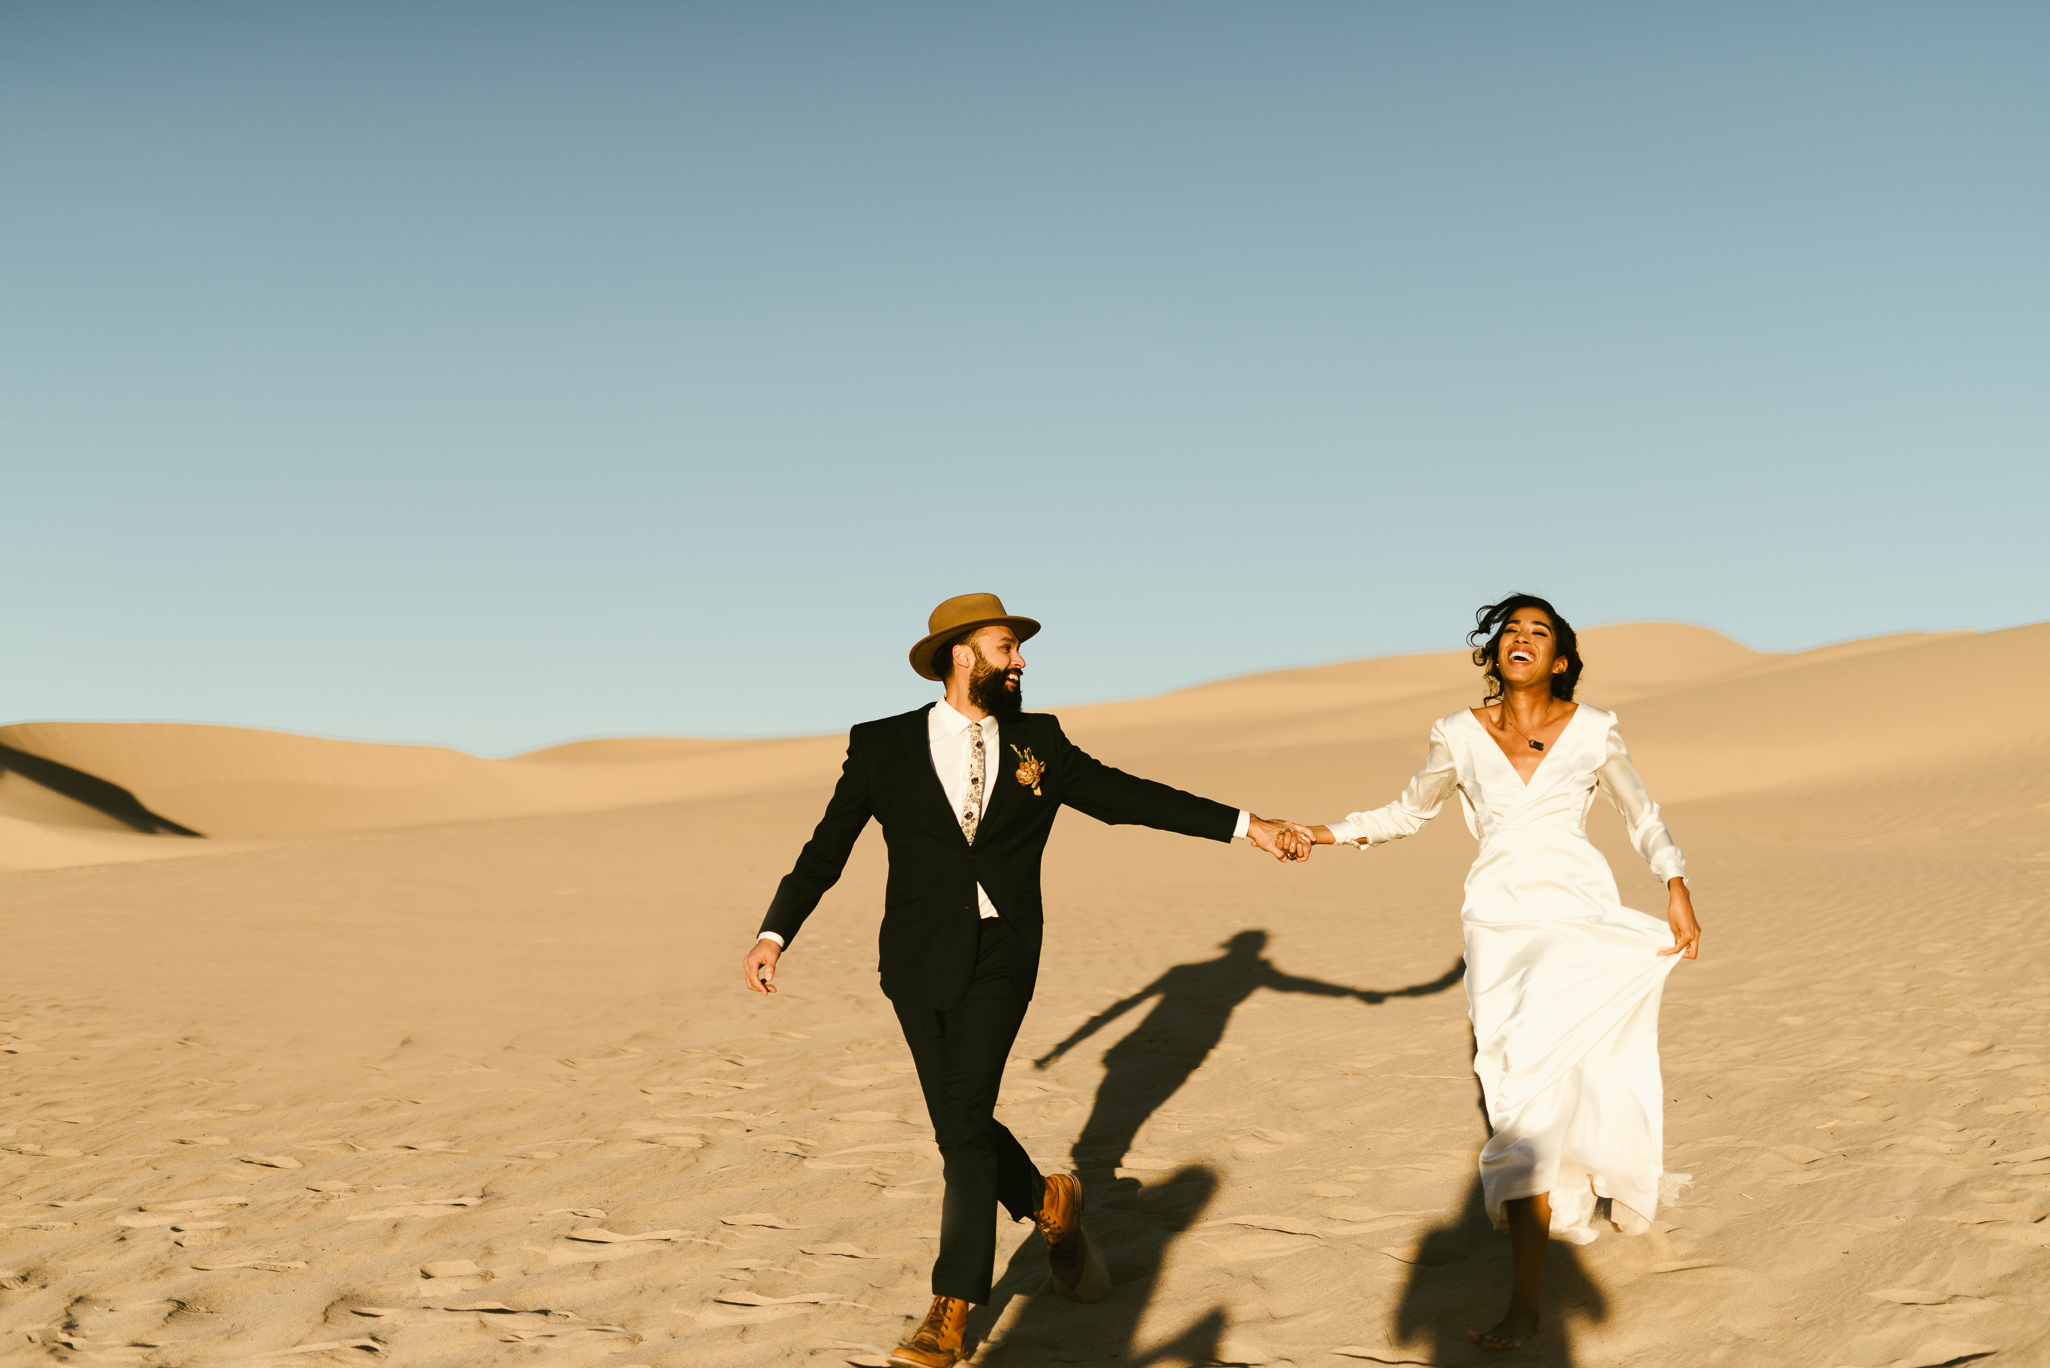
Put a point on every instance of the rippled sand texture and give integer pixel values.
(422, 1059)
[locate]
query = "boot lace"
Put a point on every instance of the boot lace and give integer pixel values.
(935, 1320)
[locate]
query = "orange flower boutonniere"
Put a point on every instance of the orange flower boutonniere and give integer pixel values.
(1030, 770)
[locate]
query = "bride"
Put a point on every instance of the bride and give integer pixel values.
(1563, 981)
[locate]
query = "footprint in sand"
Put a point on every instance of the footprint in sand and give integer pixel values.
(841, 1251)
(759, 1218)
(173, 1213)
(1910, 1296)
(742, 1298)
(419, 1211)
(276, 1161)
(1929, 1146)
(322, 1347)
(1261, 1140)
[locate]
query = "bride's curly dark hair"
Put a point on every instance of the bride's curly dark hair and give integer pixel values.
(1486, 640)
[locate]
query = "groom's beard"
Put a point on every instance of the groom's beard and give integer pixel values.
(990, 689)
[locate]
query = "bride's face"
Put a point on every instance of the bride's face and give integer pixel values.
(1530, 650)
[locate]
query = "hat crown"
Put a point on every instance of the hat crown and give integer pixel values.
(958, 616)
(962, 609)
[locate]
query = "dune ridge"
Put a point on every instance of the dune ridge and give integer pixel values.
(444, 1060)
(231, 782)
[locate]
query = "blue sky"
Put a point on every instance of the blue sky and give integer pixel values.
(494, 375)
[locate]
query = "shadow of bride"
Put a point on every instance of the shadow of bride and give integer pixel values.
(1152, 1062)
(1459, 1281)
(1134, 1237)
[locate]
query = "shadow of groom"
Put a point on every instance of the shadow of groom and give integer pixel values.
(1162, 1052)
(1134, 1226)
(1135, 1237)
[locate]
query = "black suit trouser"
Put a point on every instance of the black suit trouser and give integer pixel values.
(960, 1054)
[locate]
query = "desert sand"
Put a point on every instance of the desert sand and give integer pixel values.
(424, 1059)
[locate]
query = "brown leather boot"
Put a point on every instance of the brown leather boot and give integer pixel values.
(937, 1344)
(1059, 1219)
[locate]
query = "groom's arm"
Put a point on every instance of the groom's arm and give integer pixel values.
(1110, 795)
(824, 856)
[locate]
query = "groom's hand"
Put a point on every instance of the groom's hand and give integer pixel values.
(1288, 842)
(759, 968)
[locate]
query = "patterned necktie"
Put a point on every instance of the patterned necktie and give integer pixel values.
(971, 806)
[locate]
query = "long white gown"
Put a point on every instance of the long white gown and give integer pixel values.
(1562, 980)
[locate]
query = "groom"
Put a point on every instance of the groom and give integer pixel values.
(966, 790)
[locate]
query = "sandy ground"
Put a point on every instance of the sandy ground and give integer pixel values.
(424, 1059)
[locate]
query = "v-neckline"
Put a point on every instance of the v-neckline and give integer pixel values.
(1503, 755)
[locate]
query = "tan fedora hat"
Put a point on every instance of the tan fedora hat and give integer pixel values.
(959, 616)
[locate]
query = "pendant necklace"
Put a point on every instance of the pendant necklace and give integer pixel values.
(1534, 744)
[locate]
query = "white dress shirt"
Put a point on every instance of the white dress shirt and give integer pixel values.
(948, 733)
(951, 736)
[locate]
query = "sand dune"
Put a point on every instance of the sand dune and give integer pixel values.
(232, 781)
(444, 1060)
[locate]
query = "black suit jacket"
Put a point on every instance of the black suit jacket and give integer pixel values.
(930, 923)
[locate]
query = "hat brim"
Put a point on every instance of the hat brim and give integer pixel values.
(921, 654)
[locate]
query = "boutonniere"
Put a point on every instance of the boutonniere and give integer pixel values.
(1030, 769)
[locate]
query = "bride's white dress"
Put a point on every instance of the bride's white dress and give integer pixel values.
(1563, 981)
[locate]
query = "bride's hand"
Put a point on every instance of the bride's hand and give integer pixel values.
(1680, 914)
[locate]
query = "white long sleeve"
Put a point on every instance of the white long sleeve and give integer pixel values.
(1619, 780)
(1421, 798)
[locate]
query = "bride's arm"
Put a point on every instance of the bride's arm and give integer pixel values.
(1619, 780)
(1421, 798)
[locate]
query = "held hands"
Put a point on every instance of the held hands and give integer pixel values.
(1286, 841)
(759, 967)
(1680, 913)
